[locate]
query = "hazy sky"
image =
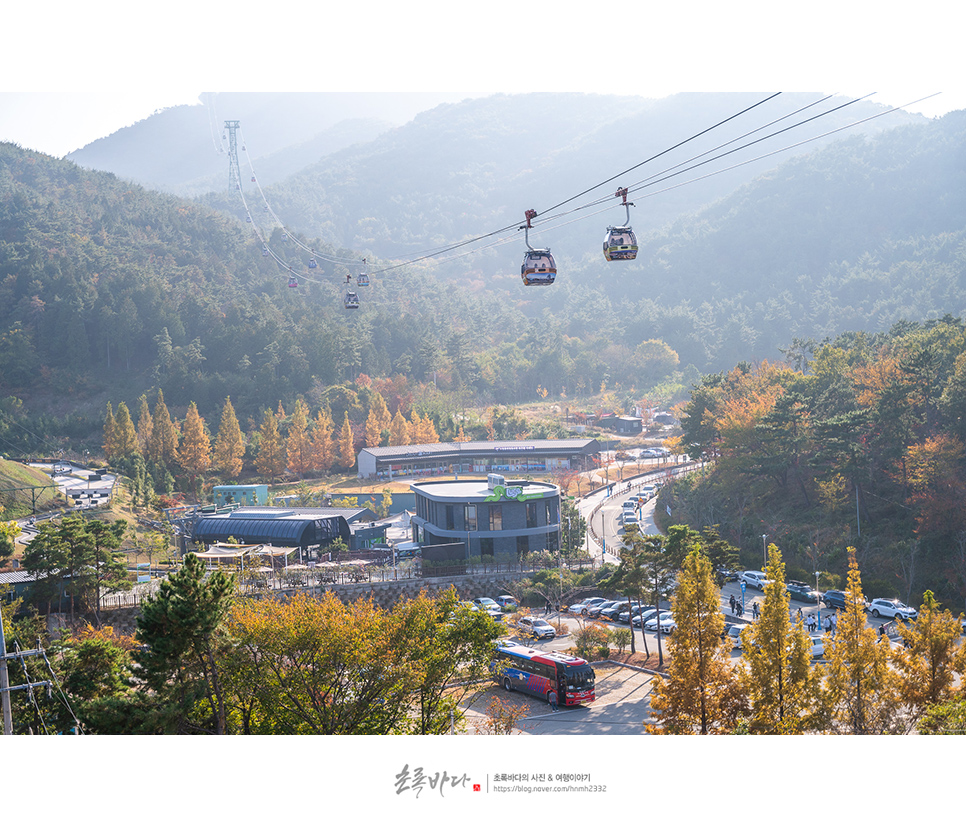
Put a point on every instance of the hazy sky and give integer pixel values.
(118, 70)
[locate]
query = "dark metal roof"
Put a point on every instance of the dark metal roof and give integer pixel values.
(487, 447)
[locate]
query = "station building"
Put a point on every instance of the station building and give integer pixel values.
(476, 457)
(496, 517)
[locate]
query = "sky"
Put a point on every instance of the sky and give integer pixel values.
(89, 73)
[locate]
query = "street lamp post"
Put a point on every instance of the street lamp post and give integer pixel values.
(818, 603)
(764, 550)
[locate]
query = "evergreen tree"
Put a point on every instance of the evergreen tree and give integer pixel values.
(179, 626)
(347, 451)
(701, 693)
(229, 453)
(783, 691)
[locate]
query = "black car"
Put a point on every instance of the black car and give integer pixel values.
(803, 592)
(836, 599)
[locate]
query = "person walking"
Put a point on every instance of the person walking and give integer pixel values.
(739, 610)
(755, 610)
(733, 603)
(553, 699)
(833, 621)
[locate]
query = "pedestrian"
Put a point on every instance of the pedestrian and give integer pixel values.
(810, 622)
(739, 610)
(798, 616)
(733, 602)
(754, 610)
(833, 622)
(553, 699)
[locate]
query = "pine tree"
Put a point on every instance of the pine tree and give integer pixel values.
(783, 690)
(399, 430)
(164, 437)
(145, 426)
(271, 457)
(299, 444)
(860, 687)
(323, 445)
(229, 444)
(347, 451)
(125, 435)
(110, 434)
(195, 452)
(701, 693)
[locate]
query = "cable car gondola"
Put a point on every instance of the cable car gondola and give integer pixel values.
(620, 242)
(539, 267)
(293, 280)
(313, 264)
(351, 298)
(363, 279)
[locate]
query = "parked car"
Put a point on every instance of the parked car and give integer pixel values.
(487, 603)
(506, 601)
(582, 606)
(537, 627)
(836, 599)
(661, 621)
(818, 645)
(615, 611)
(892, 608)
(594, 610)
(802, 591)
(734, 633)
(753, 578)
(640, 620)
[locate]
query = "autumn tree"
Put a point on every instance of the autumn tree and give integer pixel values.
(194, 454)
(272, 457)
(701, 693)
(782, 689)
(229, 452)
(110, 433)
(347, 450)
(860, 687)
(931, 658)
(125, 435)
(378, 421)
(164, 436)
(323, 444)
(299, 444)
(399, 430)
(145, 426)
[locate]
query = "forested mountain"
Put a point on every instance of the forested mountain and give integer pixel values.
(182, 149)
(109, 289)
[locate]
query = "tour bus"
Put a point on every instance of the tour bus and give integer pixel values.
(535, 672)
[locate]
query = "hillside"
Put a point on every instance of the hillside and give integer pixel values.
(15, 493)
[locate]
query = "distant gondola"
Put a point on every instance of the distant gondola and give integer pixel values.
(293, 280)
(363, 279)
(351, 298)
(539, 267)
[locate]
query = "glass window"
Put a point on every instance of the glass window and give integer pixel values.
(531, 514)
(469, 517)
(450, 525)
(496, 518)
(486, 547)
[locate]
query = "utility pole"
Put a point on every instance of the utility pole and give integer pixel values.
(5, 688)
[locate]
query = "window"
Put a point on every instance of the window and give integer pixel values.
(450, 525)
(469, 517)
(523, 545)
(486, 547)
(531, 514)
(496, 518)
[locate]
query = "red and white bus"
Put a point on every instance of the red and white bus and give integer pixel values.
(536, 672)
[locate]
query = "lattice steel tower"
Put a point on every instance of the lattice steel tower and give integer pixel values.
(234, 171)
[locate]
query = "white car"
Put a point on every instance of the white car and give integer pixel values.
(753, 579)
(664, 621)
(818, 645)
(734, 633)
(582, 606)
(892, 608)
(538, 627)
(487, 604)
